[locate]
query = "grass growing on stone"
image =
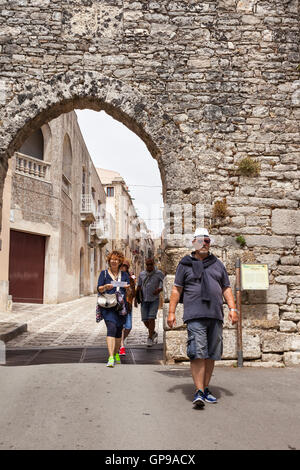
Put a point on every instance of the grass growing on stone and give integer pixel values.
(249, 167)
(241, 240)
(220, 209)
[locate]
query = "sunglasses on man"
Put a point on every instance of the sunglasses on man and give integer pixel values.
(206, 240)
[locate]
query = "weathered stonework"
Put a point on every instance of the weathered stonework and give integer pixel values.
(203, 84)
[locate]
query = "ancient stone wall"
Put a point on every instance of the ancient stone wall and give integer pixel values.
(205, 84)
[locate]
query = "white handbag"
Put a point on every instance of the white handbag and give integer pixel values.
(109, 300)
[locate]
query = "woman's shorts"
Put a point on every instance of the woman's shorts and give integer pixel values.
(128, 322)
(149, 310)
(113, 330)
(205, 339)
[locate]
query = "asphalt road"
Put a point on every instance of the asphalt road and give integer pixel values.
(146, 407)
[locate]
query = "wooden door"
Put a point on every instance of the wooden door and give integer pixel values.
(26, 267)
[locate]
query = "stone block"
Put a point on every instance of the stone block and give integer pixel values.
(251, 345)
(263, 316)
(178, 314)
(286, 222)
(271, 357)
(263, 365)
(274, 342)
(290, 260)
(273, 242)
(168, 285)
(293, 342)
(292, 315)
(288, 326)
(291, 358)
(270, 259)
(276, 294)
(172, 258)
(175, 345)
(291, 280)
(245, 6)
(290, 269)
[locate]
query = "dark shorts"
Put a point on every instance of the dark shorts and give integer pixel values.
(149, 310)
(205, 339)
(113, 330)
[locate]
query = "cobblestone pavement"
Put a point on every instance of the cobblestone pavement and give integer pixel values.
(70, 324)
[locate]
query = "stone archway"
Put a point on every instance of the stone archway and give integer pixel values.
(34, 106)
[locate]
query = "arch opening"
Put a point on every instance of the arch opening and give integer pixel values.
(95, 255)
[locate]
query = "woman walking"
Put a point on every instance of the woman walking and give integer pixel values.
(114, 320)
(130, 296)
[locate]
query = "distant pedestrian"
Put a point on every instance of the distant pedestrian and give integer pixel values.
(150, 284)
(114, 320)
(130, 297)
(202, 279)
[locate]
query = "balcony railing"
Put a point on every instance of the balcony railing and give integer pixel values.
(88, 209)
(98, 225)
(98, 231)
(31, 166)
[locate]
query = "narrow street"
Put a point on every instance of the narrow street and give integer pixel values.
(70, 324)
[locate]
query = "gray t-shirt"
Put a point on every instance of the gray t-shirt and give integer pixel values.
(194, 305)
(149, 283)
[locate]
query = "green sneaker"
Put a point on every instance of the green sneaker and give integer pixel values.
(117, 358)
(110, 362)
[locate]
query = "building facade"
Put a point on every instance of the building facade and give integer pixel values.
(53, 244)
(130, 235)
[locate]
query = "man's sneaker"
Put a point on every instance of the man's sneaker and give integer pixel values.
(154, 337)
(199, 399)
(149, 342)
(117, 359)
(209, 398)
(122, 351)
(110, 362)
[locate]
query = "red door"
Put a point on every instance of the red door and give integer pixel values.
(26, 267)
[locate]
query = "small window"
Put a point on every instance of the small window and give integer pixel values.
(110, 191)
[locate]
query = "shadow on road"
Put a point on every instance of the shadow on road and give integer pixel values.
(188, 389)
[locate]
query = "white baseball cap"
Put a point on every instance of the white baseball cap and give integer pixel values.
(201, 232)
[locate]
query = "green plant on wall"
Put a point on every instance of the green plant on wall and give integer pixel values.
(248, 167)
(241, 240)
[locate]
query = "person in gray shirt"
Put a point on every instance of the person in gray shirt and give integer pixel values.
(201, 282)
(150, 284)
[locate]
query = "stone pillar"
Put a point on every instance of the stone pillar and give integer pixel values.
(5, 189)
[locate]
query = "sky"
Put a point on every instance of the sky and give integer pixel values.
(114, 147)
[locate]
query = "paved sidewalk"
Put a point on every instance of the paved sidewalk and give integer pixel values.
(69, 324)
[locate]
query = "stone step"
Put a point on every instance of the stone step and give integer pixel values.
(9, 330)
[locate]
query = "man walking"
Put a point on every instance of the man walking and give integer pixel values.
(150, 284)
(202, 279)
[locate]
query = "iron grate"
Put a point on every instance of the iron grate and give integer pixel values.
(26, 357)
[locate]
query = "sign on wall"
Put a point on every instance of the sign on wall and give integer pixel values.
(255, 276)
